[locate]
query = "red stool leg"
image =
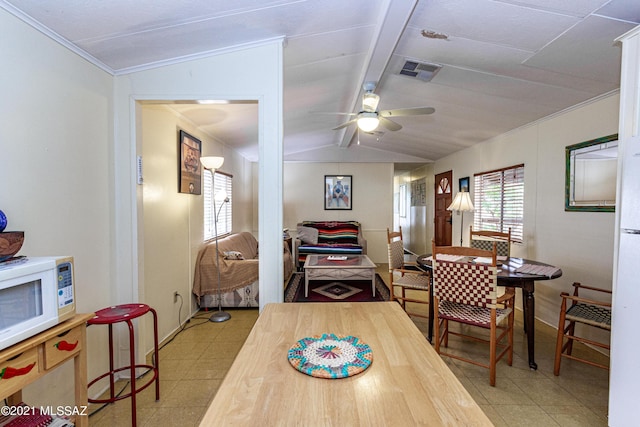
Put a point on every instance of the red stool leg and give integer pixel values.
(132, 360)
(156, 363)
(111, 373)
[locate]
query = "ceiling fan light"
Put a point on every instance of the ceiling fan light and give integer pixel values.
(368, 122)
(370, 102)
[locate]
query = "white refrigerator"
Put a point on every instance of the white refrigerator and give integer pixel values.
(624, 379)
(624, 376)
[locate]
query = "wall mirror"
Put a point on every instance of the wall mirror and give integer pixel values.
(590, 182)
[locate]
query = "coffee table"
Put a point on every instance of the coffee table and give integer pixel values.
(339, 267)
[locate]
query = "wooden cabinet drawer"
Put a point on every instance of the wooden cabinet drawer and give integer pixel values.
(18, 371)
(61, 347)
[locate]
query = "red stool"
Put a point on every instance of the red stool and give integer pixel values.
(124, 313)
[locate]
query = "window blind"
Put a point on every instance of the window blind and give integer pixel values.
(220, 182)
(499, 201)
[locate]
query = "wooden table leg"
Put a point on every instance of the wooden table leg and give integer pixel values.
(431, 314)
(306, 283)
(373, 282)
(80, 372)
(529, 311)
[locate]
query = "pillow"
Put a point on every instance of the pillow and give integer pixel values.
(235, 255)
(308, 235)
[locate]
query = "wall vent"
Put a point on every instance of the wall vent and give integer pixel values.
(420, 70)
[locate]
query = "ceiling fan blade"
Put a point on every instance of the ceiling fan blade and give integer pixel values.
(416, 111)
(333, 113)
(389, 124)
(344, 125)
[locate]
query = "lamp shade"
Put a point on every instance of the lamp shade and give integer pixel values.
(461, 203)
(367, 121)
(221, 196)
(211, 162)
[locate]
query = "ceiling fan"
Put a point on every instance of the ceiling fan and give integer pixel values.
(369, 118)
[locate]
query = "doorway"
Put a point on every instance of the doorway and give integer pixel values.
(442, 217)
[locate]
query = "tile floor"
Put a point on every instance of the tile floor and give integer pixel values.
(195, 362)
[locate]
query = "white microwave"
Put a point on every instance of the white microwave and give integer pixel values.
(35, 294)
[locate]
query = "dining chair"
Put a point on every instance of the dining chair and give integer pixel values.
(406, 276)
(484, 239)
(465, 293)
(585, 311)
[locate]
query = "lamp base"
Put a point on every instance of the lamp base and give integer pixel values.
(219, 316)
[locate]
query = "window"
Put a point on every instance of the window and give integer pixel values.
(222, 182)
(499, 201)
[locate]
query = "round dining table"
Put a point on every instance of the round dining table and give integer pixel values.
(509, 275)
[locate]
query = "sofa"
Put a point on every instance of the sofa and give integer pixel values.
(328, 237)
(238, 271)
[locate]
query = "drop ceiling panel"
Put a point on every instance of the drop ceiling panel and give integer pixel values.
(492, 22)
(571, 54)
(489, 58)
(507, 88)
(327, 46)
(458, 51)
(84, 20)
(575, 8)
(626, 10)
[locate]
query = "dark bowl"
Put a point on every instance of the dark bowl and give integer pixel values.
(10, 243)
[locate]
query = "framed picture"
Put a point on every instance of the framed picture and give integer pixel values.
(338, 192)
(419, 192)
(464, 184)
(189, 174)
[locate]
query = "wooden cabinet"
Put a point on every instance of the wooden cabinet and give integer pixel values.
(29, 360)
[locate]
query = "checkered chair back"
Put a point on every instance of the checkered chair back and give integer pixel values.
(484, 239)
(465, 283)
(396, 254)
(502, 246)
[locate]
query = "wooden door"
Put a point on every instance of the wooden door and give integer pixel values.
(442, 217)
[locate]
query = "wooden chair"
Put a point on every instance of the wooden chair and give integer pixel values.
(484, 239)
(587, 312)
(465, 292)
(405, 275)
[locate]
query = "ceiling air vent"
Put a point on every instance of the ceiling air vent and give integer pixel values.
(420, 70)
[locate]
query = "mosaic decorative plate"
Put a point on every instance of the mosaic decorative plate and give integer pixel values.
(330, 356)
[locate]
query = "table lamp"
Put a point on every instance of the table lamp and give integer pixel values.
(461, 203)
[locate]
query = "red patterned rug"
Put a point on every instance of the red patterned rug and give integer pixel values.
(332, 291)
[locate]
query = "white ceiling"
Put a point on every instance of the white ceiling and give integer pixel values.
(504, 63)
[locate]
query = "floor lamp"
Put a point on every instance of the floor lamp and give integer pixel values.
(211, 164)
(461, 203)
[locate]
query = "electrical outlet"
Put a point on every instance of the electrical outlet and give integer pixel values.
(175, 296)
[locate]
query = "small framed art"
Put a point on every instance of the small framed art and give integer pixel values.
(338, 192)
(189, 180)
(464, 184)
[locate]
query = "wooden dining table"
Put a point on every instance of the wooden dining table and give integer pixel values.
(509, 275)
(407, 383)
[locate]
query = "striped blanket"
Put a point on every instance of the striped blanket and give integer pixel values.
(334, 237)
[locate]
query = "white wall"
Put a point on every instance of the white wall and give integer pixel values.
(417, 225)
(173, 221)
(581, 243)
(55, 165)
(372, 199)
(225, 76)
